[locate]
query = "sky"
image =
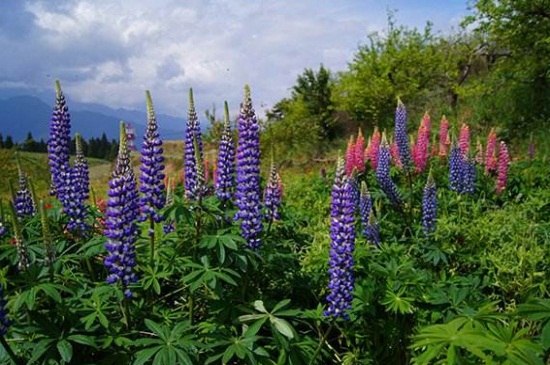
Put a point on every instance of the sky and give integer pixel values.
(111, 51)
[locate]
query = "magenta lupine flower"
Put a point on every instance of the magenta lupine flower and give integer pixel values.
(401, 136)
(359, 154)
(59, 143)
(192, 134)
(429, 206)
(342, 245)
(350, 156)
(247, 195)
(273, 194)
(225, 173)
(443, 137)
(503, 161)
(383, 174)
(121, 221)
(394, 151)
(464, 140)
(76, 191)
(151, 176)
(490, 152)
(421, 154)
(375, 147)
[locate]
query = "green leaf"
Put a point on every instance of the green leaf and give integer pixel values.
(545, 336)
(83, 340)
(143, 356)
(259, 306)
(283, 327)
(65, 350)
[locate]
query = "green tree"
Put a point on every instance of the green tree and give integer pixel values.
(9, 142)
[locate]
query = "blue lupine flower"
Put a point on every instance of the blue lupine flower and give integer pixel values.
(456, 169)
(122, 213)
(59, 142)
(247, 195)
(225, 179)
(401, 136)
(468, 176)
(273, 194)
(365, 206)
(429, 206)
(342, 245)
(372, 232)
(23, 202)
(192, 136)
(151, 176)
(76, 190)
(5, 323)
(383, 174)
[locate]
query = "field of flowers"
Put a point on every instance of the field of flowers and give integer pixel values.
(408, 249)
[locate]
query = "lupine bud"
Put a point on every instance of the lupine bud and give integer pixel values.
(464, 140)
(151, 176)
(350, 156)
(383, 174)
(359, 156)
(503, 161)
(490, 152)
(5, 323)
(429, 206)
(225, 178)
(372, 232)
(342, 245)
(170, 226)
(443, 136)
(122, 213)
(23, 203)
(247, 195)
(59, 142)
(401, 138)
(21, 246)
(375, 147)
(76, 190)
(273, 194)
(192, 133)
(422, 144)
(479, 153)
(365, 207)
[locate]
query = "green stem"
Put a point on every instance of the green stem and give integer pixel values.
(152, 235)
(126, 312)
(320, 347)
(16, 360)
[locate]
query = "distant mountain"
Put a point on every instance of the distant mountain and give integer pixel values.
(22, 114)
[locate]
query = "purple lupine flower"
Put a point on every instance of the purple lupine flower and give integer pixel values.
(23, 202)
(468, 176)
(371, 232)
(225, 178)
(76, 190)
(429, 206)
(5, 323)
(247, 194)
(59, 142)
(122, 213)
(401, 139)
(456, 172)
(192, 135)
(383, 174)
(273, 194)
(151, 170)
(342, 245)
(365, 206)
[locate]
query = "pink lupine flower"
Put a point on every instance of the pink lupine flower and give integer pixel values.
(394, 151)
(206, 170)
(366, 153)
(444, 137)
(375, 147)
(479, 152)
(464, 140)
(490, 152)
(350, 156)
(215, 171)
(359, 155)
(503, 161)
(421, 148)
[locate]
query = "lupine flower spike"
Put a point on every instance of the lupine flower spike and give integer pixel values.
(122, 213)
(3, 228)
(429, 206)
(464, 140)
(422, 144)
(350, 156)
(365, 207)
(503, 161)
(468, 175)
(225, 175)
(479, 152)
(247, 195)
(59, 143)
(443, 137)
(21, 246)
(455, 169)
(383, 174)
(192, 133)
(342, 245)
(273, 194)
(375, 147)
(394, 155)
(401, 137)
(359, 156)
(372, 232)
(77, 190)
(151, 176)
(23, 202)
(490, 153)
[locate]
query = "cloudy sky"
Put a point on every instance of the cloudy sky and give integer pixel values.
(110, 51)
